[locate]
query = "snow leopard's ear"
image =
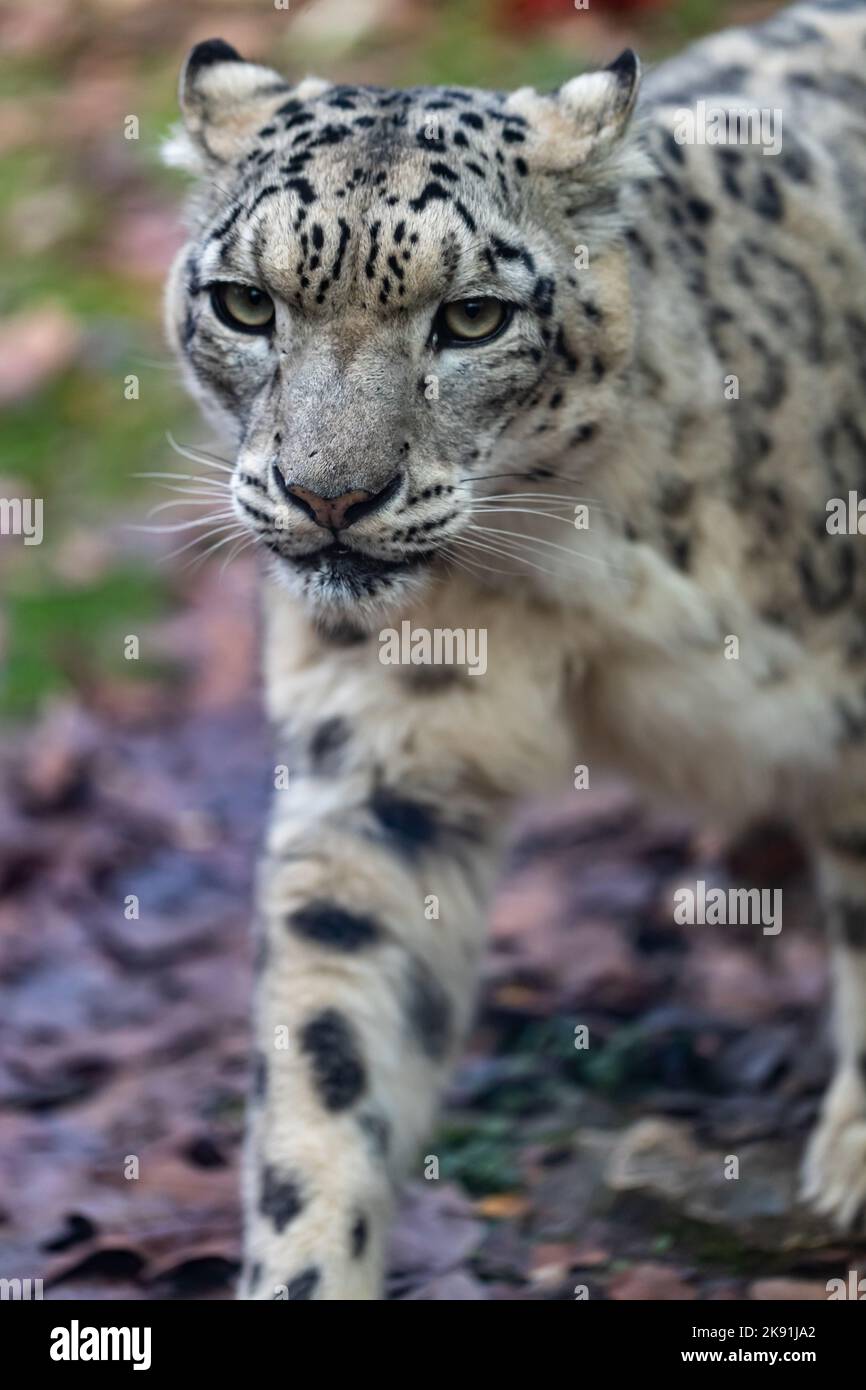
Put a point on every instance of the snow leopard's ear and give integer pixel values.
(584, 122)
(224, 100)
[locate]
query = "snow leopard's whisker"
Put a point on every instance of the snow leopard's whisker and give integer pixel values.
(539, 497)
(514, 555)
(518, 511)
(163, 530)
(538, 540)
(193, 493)
(199, 540)
(187, 478)
(518, 546)
(463, 563)
(555, 498)
(195, 501)
(200, 455)
(197, 560)
(520, 473)
(471, 564)
(243, 544)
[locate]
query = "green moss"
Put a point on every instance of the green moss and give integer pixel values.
(58, 638)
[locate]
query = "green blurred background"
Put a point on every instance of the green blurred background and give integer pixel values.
(88, 224)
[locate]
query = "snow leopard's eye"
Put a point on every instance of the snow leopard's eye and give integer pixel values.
(469, 321)
(242, 307)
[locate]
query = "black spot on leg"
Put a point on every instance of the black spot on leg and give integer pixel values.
(339, 1075)
(304, 1285)
(328, 740)
(262, 953)
(428, 1010)
(360, 1233)
(260, 1075)
(327, 924)
(280, 1198)
(341, 634)
(849, 921)
(849, 842)
(377, 1132)
(429, 680)
(408, 824)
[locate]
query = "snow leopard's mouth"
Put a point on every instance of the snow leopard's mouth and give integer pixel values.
(344, 573)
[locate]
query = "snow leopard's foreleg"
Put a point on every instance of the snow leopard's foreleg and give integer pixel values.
(835, 1166)
(372, 907)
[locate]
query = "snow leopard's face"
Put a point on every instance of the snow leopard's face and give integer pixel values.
(380, 299)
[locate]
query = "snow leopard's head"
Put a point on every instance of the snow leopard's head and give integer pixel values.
(399, 303)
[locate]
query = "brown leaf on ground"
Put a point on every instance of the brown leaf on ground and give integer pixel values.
(36, 345)
(787, 1291)
(651, 1282)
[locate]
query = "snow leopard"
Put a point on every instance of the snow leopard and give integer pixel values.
(582, 371)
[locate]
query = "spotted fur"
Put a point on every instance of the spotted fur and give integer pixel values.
(360, 211)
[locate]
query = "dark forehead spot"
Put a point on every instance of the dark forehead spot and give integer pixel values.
(301, 119)
(443, 171)
(431, 192)
(465, 214)
(508, 252)
(303, 188)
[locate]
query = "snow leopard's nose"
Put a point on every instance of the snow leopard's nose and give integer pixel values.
(337, 513)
